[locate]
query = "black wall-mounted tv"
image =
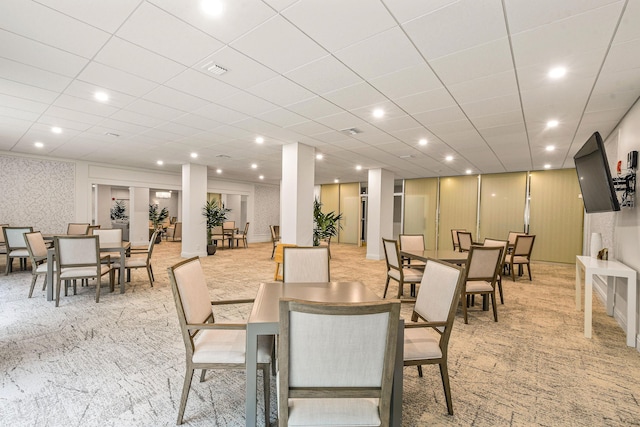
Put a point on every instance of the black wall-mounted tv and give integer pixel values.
(594, 176)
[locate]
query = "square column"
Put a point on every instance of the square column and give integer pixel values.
(139, 216)
(296, 194)
(194, 224)
(379, 211)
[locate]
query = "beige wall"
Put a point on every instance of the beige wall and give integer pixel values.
(458, 207)
(420, 208)
(502, 202)
(350, 208)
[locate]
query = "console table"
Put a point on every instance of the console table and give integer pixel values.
(610, 269)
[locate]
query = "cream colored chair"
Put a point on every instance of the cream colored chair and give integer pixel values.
(210, 344)
(275, 237)
(521, 254)
(229, 229)
(426, 338)
(107, 236)
(320, 381)
(305, 264)
(481, 275)
(77, 229)
(465, 240)
(454, 237)
(3, 246)
(174, 231)
(218, 236)
(78, 257)
(38, 254)
(395, 270)
(91, 228)
(16, 246)
(242, 236)
(411, 242)
(134, 261)
(504, 244)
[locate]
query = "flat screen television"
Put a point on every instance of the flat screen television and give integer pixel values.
(594, 176)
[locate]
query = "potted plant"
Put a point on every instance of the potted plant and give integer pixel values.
(325, 225)
(215, 216)
(119, 212)
(157, 216)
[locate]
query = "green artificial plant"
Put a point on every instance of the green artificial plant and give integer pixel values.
(119, 211)
(215, 215)
(157, 215)
(325, 225)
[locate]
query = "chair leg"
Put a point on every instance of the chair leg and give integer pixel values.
(500, 290)
(273, 251)
(529, 270)
(513, 272)
(444, 373)
(58, 291)
(150, 275)
(386, 286)
(33, 284)
(419, 370)
(266, 383)
(185, 393)
(151, 270)
(464, 309)
(495, 308)
(202, 374)
(44, 284)
(98, 282)
(400, 289)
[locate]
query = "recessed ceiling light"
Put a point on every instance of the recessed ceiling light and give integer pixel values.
(212, 7)
(552, 123)
(56, 129)
(319, 156)
(39, 144)
(547, 166)
(358, 168)
(423, 141)
(254, 166)
(550, 148)
(336, 180)
(194, 155)
(218, 171)
(259, 140)
(101, 96)
(160, 162)
(448, 158)
(468, 171)
(378, 113)
(261, 177)
(557, 72)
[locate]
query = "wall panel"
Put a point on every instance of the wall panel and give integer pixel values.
(420, 208)
(502, 201)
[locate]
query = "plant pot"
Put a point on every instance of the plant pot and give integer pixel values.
(211, 249)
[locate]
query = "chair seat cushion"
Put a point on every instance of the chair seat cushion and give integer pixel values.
(517, 259)
(131, 263)
(19, 253)
(333, 412)
(421, 343)
(42, 268)
(479, 286)
(228, 346)
(77, 272)
(411, 275)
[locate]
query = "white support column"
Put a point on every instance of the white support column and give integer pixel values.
(194, 196)
(379, 211)
(139, 216)
(296, 194)
(103, 204)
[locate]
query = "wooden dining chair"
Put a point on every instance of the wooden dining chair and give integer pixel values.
(454, 237)
(504, 244)
(395, 270)
(3, 245)
(481, 275)
(242, 236)
(77, 228)
(134, 261)
(37, 249)
(521, 254)
(465, 240)
(275, 237)
(320, 381)
(426, 338)
(305, 264)
(16, 246)
(107, 236)
(411, 242)
(210, 344)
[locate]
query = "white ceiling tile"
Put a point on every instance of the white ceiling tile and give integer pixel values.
(356, 96)
(152, 109)
(406, 82)
(242, 71)
(197, 121)
(426, 101)
(110, 78)
(32, 93)
(344, 120)
(279, 45)
(283, 118)
(156, 30)
(493, 106)
(314, 107)
(179, 100)
(407, 10)
(449, 114)
(22, 104)
(201, 85)
(84, 105)
(32, 76)
(324, 75)
(281, 91)
(248, 104)
(107, 16)
(220, 113)
(137, 118)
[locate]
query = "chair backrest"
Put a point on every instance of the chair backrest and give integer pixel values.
(465, 240)
(77, 228)
(392, 254)
(177, 230)
(438, 295)
(109, 235)
(316, 353)
(454, 236)
(275, 232)
(36, 246)
(524, 245)
(412, 242)
(246, 229)
(216, 230)
(77, 251)
(152, 243)
(14, 237)
(483, 263)
(497, 242)
(91, 228)
(305, 264)
(2, 232)
(191, 296)
(229, 225)
(513, 235)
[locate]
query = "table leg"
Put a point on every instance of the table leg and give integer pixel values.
(251, 374)
(611, 292)
(123, 254)
(632, 295)
(578, 286)
(396, 391)
(588, 303)
(49, 275)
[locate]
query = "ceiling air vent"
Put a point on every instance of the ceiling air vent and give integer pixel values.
(214, 68)
(351, 131)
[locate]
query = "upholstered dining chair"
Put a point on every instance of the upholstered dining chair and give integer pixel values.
(109, 235)
(91, 228)
(174, 231)
(511, 238)
(75, 228)
(134, 261)
(229, 229)
(218, 236)
(504, 244)
(426, 338)
(481, 275)
(242, 236)
(521, 254)
(278, 258)
(78, 257)
(465, 240)
(3, 246)
(454, 237)
(320, 382)
(275, 237)
(210, 344)
(411, 242)
(305, 264)
(16, 246)
(37, 249)
(395, 270)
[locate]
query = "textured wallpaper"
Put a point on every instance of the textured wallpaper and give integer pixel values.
(38, 193)
(267, 208)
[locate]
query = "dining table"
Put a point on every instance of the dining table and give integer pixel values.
(121, 247)
(264, 320)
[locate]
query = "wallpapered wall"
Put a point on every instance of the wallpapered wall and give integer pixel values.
(267, 209)
(38, 193)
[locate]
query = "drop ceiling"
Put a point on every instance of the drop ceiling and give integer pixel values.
(468, 76)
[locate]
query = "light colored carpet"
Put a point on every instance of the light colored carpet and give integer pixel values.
(121, 362)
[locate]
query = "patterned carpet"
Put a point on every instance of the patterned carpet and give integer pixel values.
(121, 362)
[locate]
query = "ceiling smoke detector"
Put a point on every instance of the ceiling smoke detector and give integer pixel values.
(214, 68)
(351, 131)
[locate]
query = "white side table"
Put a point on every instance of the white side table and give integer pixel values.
(611, 269)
